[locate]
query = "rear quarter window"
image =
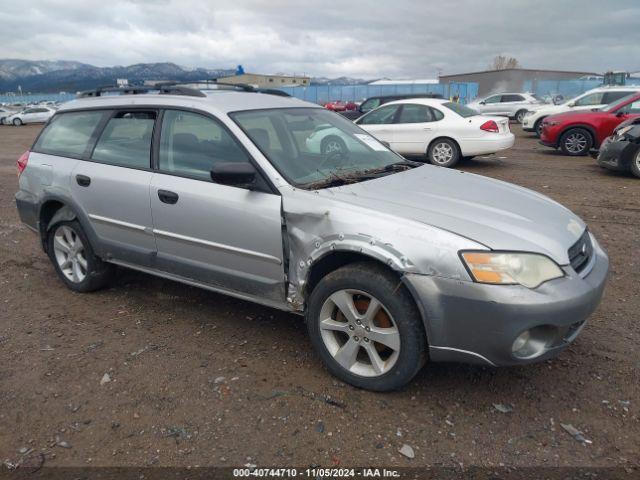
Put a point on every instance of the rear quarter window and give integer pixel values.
(68, 134)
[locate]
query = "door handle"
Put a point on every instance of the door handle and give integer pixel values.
(428, 129)
(166, 196)
(83, 180)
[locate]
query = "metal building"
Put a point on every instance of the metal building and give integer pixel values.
(511, 79)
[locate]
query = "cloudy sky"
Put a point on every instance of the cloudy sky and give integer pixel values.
(368, 39)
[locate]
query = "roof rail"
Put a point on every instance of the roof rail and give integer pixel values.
(245, 87)
(163, 88)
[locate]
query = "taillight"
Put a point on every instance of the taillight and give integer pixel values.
(22, 162)
(489, 126)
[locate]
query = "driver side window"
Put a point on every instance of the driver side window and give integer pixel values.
(593, 99)
(381, 116)
(190, 144)
(494, 99)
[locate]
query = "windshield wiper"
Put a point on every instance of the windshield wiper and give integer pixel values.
(335, 180)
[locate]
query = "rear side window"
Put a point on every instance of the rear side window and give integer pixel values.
(412, 113)
(512, 98)
(68, 134)
(126, 140)
(190, 144)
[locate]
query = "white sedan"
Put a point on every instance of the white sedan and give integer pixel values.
(442, 131)
(30, 115)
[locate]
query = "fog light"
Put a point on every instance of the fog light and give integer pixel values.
(534, 342)
(521, 341)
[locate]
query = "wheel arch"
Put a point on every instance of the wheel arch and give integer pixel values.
(588, 128)
(55, 209)
(335, 259)
(445, 137)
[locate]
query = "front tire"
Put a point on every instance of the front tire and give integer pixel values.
(366, 327)
(635, 164)
(538, 127)
(17, 122)
(443, 152)
(576, 142)
(74, 260)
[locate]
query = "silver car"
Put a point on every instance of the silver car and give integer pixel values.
(392, 262)
(512, 105)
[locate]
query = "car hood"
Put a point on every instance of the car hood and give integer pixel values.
(572, 116)
(496, 214)
(546, 109)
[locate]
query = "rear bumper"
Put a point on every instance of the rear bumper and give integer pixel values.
(483, 146)
(27, 209)
(477, 323)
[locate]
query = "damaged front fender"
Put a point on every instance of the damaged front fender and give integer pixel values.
(318, 225)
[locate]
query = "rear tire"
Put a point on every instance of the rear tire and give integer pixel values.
(350, 345)
(17, 122)
(576, 142)
(74, 260)
(332, 144)
(443, 152)
(520, 116)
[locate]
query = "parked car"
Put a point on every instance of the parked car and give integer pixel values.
(4, 113)
(340, 106)
(437, 129)
(512, 105)
(576, 133)
(372, 103)
(392, 262)
(621, 151)
(30, 115)
(596, 98)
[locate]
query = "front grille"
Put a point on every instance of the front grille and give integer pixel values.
(580, 252)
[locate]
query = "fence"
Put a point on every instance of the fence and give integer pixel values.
(566, 88)
(329, 93)
(315, 93)
(35, 98)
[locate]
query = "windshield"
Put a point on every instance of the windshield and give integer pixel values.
(460, 109)
(612, 107)
(313, 147)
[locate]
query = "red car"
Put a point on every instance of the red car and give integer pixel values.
(340, 106)
(575, 133)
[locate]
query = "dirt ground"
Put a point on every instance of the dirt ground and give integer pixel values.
(202, 379)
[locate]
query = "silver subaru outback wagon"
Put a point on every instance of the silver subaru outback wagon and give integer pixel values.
(392, 262)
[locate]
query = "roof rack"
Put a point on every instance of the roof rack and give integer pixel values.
(162, 88)
(245, 87)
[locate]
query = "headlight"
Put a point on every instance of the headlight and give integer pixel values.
(624, 130)
(529, 113)
(527, 269)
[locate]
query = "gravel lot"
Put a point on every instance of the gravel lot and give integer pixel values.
(202, 379)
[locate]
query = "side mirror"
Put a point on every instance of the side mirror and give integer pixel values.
(620, 113)
(483, 103)
(234, 174)
(571, 105)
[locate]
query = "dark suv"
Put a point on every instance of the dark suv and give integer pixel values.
(374, 102)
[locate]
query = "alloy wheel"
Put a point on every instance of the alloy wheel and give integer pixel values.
(332, 146)
(442, 153)
(359, 333)
(576, 142)
(69, 253)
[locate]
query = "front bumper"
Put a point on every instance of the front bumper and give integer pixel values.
(478, 323)
(616, 154)
(528, 125)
